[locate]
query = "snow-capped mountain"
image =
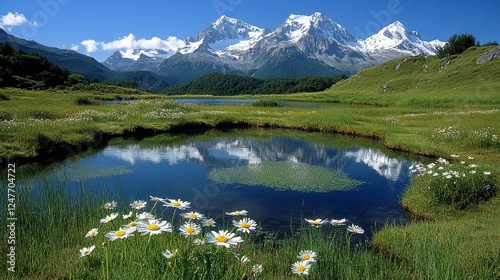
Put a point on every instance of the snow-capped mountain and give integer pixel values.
(301, 45)
(395, 41)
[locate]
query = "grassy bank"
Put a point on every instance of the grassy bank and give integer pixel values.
(438, 112)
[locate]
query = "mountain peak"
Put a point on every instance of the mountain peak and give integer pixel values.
(223, 19)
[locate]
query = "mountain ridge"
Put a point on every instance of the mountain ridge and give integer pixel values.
(239, 47)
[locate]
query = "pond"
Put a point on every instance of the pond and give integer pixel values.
(279, 176)
(232, 102)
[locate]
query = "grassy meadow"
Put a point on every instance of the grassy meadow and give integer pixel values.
(411, 104)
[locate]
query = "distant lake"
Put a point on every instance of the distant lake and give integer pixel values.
(226, 171)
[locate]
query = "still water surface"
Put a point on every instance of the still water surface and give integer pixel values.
(177, 166)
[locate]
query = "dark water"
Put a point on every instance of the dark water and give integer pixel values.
(176, 166)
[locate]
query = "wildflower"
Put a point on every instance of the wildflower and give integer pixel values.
(470, 157)
(132, 224)
(454, 156)
(156, 199)
(257, 269)
(120, 234)
(179, 204)
(355, 229)
(189, 229)
(153, 227)
(209, 222)
(192, 216)
(487, 173)
(307, 255)
(472, 165)
(316, 223)
(92, 233)
(237, 213)
(86, 251)
(110, 205)
(224, 238)
(245, 225)
(127, 216)
(301, 268)
(145, 216)
(340, 222)
(109, 218)
(472, 172)
(138, 204)
(244, 260)
(199, 241)
(170, 255)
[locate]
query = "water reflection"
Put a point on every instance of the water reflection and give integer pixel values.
(178, 169)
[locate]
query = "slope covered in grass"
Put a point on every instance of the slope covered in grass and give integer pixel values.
(421, 82)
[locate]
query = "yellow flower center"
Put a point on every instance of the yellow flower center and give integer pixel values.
(86, 252)
(306, 257)
(132, 224)
(237, 213)
(190, 230)
(192, 216)
(301, 268)
(355, 230)
(121, 232)
(153, 227)
(138, 204)
(221, 238)
(244, 225)
(315, 222)
(176, 204)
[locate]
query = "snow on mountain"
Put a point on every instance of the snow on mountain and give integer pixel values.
(396, 39)
(224, 34)
(313, 40)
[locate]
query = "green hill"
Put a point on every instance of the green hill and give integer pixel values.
(422, 82)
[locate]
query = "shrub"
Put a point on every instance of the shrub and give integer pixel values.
(457, 44)
(84, 100)
(266, 103)
(459, 184)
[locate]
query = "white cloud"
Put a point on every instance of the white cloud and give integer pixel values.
(91, 45)
(10, 20)
(75, 47)
(129, 43)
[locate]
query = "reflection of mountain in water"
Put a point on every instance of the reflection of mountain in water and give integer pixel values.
(230, 152)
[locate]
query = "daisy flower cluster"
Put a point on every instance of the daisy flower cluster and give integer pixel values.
(194, 226)
(305, 259)
(341, 222)
(457, 181)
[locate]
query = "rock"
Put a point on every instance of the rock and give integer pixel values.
(489, 56)
(445, 62)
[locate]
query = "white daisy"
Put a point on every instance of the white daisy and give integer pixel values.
(176, 203)
(189, 229)
(257, 269)
(170, 255)
(153, 227)
(156, 199)
(244, 260)
(301, 268)
(192, 216)
(120, 234)
(245, 225)
(138, 204)
(355, 229)
(307, 255)
(199, 241)
(86, 251)
(340, 222)
(110, 205)
(92, 233)
(127, 216)
(224, 238)
(487, 173)
(317, 222)
(109, 218)
(237, 213)
(209, 222)
(144, 216)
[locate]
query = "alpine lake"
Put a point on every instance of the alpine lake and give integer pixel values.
(279, 176)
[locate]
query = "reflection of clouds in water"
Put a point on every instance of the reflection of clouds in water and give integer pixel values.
(234, 150)
(172, 155)
(224, 152)
(389, 168)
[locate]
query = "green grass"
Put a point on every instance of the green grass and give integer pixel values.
(440, 112)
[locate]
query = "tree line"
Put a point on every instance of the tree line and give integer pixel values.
(457, 44)
(232, 84)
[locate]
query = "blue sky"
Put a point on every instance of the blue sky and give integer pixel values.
(98, 28)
